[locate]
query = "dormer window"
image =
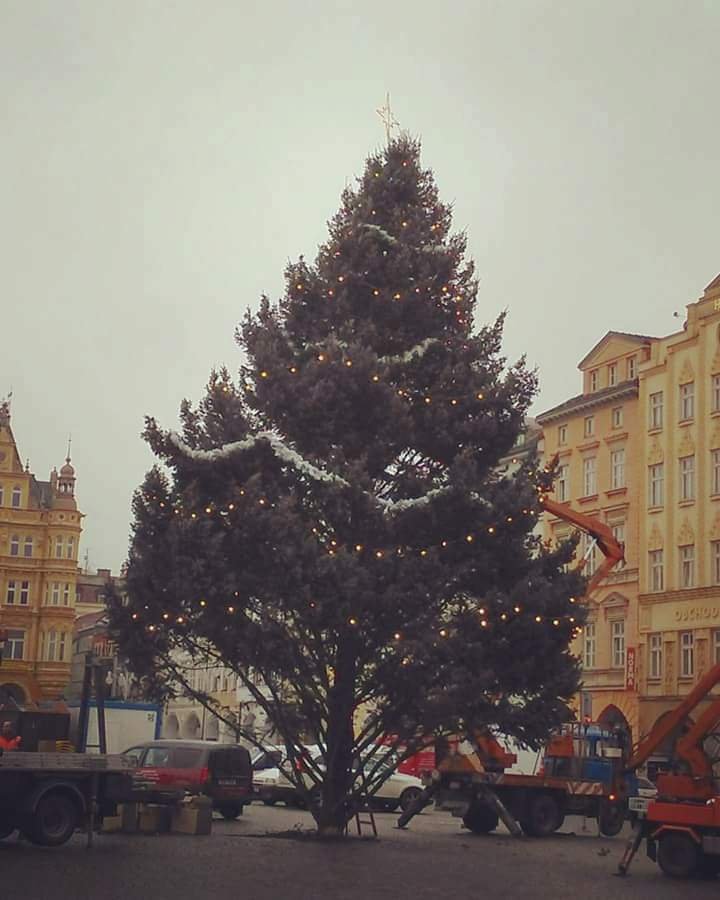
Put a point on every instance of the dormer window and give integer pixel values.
(594, 380)
(631, 368)
(612, 375)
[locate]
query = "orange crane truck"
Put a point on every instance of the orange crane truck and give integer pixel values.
(682, 825)
(583, 771)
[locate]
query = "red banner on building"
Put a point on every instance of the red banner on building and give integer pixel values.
(630, 669)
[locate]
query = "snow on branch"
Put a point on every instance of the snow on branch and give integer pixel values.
(414, 352)
(300, 464)
(380, 232)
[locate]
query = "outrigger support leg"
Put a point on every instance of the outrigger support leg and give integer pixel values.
(491, 799)
(425, 799)
(631, 848)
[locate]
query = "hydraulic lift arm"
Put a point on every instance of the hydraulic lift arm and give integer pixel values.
(688, 747)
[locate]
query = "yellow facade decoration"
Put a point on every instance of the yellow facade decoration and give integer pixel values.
(669, 510)
(40, 528)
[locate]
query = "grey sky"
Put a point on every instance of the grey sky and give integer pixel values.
(162, 160)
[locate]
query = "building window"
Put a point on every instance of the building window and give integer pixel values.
(589, 429)
(687, 566)
(594, 380)
(618, 644)
(10, 595)
(656, 570)
(55, 593)
(656, 656)
(14, 545)
(70, 553)
(687, 478)
(618, 531)
(58, 548)
(612, 374)
(61, 647)
(715, 561)
(632, 368)
(716, 645)
(28, 546)
(589, 476)
(687, 654)
(716, 393)
(562, 484)
(617, 417)
(715, 466)
(24, 593)
(655, 413)
(51, 645)
(2, 496)
(562, 434)
(15, 644)
(656, 482)
(589, 646)
(617, 469)
(687, 401)
(66, 595)
(16, 497)
(588, 548)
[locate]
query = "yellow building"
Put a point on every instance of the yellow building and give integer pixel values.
(40, 530)
(679, 602)
(596, 438)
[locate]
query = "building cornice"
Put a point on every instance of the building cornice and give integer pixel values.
(585, 402)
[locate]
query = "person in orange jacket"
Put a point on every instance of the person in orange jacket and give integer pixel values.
(7, 739)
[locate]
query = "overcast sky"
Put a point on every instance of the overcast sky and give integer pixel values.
(161, 161)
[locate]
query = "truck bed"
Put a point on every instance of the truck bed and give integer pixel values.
(65, 762)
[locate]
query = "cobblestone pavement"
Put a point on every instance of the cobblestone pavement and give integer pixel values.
(434, 858)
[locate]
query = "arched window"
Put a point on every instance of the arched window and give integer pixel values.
(15, 545)
(51, 645)
(16, 497)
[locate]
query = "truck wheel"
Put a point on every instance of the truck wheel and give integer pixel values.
(408, 797)
(611, 818)
(54, 820)
(231, 811)
(678, 855)
(544, 816)
(480, 819)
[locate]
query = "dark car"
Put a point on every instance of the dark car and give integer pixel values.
(170, 769)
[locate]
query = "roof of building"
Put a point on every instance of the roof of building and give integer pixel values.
(42, 492)
(89, 620)
(628, 335)
(715, 283)
(595, 398)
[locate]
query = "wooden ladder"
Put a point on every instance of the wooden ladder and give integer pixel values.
(363, 806)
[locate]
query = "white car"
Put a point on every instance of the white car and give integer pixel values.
(398, 790)
(638, 805)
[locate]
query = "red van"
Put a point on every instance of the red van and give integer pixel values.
(170, 769)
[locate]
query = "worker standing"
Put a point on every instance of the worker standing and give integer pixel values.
(8, 740)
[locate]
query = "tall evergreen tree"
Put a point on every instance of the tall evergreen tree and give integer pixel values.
(336, 523)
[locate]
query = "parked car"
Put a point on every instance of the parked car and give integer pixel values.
(273, 785)
(638, 805)
(169, 769)
(268, 757)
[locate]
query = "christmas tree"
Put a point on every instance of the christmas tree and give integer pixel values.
(333, 525)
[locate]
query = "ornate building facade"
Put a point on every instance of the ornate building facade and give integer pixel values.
(640, 450)
(40, 527)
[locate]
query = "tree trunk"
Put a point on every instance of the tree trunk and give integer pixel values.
(332, 812)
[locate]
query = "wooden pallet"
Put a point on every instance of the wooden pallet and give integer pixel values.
(66, 762)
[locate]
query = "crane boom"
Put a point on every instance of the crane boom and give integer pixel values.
(688, 747)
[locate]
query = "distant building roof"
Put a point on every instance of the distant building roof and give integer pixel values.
(638, 338)
(596, 398)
